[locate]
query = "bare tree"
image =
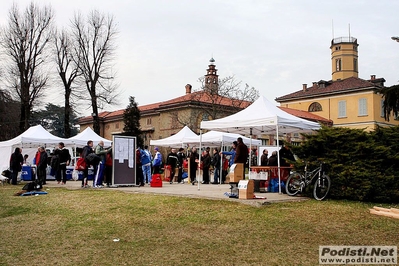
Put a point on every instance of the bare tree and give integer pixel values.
(68, 70)
(25, 40)
(95, 46)
(228, 96)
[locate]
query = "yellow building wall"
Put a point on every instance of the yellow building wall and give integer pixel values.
(347, 53)
(352, 119)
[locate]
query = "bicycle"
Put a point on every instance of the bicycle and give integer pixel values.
(297, 182)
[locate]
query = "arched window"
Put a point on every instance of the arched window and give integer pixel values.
(315, 107)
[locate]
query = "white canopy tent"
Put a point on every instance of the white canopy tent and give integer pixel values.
(261, 117)
(89, 134)
(218, 138)
(29, 141)
(177, 140)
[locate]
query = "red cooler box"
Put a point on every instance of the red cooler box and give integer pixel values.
(156, 180)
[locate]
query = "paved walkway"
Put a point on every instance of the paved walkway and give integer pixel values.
(208, 191)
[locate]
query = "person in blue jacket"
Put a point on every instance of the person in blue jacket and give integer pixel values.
(146, 164)
(231, 153)
(157, 163)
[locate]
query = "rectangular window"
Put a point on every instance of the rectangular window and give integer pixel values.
(149, 121)
(338, 64)
(382, 108)
(117, 125)
(341, 109)
(362, 106)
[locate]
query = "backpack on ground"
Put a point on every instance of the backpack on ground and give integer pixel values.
(32, 186)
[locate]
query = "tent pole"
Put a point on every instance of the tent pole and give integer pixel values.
(250, 150)
(221, 164)
(278, 160)
(199, 161)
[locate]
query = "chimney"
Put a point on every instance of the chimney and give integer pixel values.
(304, 87)
(372, 77)
(188, 89)
(315, 84)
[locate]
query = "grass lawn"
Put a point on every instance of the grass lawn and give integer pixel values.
(78, 227)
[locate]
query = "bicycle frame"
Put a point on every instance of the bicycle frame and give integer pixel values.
(308, 176)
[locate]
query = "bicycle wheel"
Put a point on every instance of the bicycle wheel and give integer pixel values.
(293, 185)
(321, 187)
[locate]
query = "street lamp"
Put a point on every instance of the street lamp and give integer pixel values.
(395, 38)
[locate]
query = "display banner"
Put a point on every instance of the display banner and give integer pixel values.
(124, 160)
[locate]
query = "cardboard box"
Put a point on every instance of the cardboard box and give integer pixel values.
(246, 189)
(236, 172)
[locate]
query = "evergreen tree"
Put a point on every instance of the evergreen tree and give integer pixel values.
(391, 101)
(52, 119)
(362, 165)
(131, 118)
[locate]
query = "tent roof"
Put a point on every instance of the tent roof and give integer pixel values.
(35, 135)
(216, 138)
(89, 134)
(176, 140)
(261, 117)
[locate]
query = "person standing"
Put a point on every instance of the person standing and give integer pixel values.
(264, 158)
(254, 156)
(146, 164)
(206, 164)
(273, 160)
(108, 167)
(86, 151)
(99, 173)
(172, 161)
(41, 163)
(231, 153)
(157, 163)
(193, 165)
(139, 168)
(64, 158)
(241, 154)
(16, 162)
(216, 166)
(286, 156)
(181, 156)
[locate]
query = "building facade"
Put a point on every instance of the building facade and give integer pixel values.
(346, 99)
(163, 119)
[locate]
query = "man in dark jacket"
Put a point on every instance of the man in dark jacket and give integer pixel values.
(241, 154)
(181, 156)
(64, 160)
(16, 162)
(172, 161)
(42, 166)
(86, 151)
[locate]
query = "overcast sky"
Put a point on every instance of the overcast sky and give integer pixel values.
(272, 45)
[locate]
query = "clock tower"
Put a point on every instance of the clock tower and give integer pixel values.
(211, 78)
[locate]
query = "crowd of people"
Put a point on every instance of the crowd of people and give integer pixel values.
(185, 162)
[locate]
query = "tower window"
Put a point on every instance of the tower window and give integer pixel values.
(338, 64)
(337, 48)
(355, 64)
